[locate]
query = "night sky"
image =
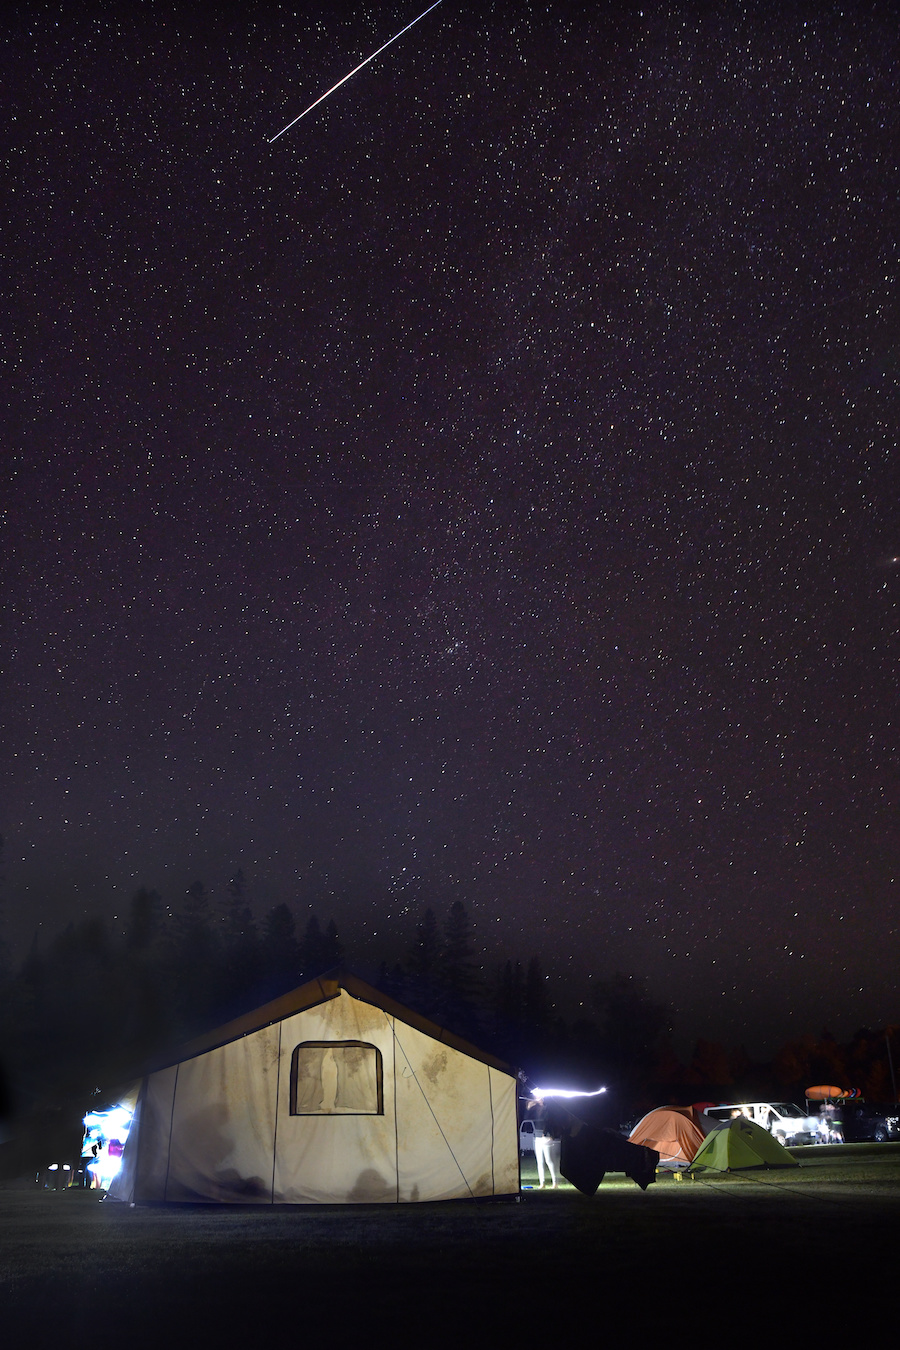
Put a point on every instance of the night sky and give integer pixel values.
(484, 492)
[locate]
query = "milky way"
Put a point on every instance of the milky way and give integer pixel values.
(489, 497)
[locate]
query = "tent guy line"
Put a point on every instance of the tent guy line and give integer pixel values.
(415, 1078)
(322, 97)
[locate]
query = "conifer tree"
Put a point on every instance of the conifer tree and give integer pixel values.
(332, 949)
(238, 926)
(147, 959)
(313, 952)
(143, 929)
(280, 949)
(425, 953)
(241, 954)
(459, 982)
(457, 964)
(535, 1010)
(632, 1028)
(392, 980)
(195, 963)
(507, 1009)
(423, 984)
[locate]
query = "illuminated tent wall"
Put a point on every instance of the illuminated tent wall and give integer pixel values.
(331, 1094)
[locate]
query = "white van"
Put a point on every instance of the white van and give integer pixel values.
(784, 1120)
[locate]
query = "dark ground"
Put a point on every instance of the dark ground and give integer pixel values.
(783, 1252)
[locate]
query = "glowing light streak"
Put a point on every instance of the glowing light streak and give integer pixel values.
(322, 97)
(564, 1092)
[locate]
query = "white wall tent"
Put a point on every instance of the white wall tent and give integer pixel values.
(331, 1094)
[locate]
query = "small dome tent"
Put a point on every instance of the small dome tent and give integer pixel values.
(331, 1094)
(673, 1132)
(737, 1144)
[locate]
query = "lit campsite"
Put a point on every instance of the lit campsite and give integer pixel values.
(333, 1138)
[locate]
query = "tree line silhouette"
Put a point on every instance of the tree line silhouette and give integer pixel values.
(92, 1006)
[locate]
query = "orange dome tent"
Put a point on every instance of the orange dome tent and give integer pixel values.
(673, 1132)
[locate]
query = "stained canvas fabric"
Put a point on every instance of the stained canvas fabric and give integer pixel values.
(328, 1096)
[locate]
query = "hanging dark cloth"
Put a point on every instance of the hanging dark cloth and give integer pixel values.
(589, 1152)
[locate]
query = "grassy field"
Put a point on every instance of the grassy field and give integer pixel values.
(792, 1251)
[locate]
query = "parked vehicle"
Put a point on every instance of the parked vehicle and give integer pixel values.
(526, 1136)
(861, 1122)
(787, 1122)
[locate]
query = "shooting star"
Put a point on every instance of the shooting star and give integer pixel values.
(322, 97)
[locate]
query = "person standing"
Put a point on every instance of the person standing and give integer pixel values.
(546, 1140)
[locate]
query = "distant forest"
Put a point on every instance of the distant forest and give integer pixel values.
(91, 1007)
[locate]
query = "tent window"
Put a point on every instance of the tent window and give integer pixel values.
(336, 1078)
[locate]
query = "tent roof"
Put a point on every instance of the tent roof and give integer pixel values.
(309, 995)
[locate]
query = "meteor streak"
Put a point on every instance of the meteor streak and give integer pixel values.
(353, 71)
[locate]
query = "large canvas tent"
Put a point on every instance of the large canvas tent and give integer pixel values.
(331, 1094)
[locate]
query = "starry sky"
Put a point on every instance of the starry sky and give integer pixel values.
(483, 492)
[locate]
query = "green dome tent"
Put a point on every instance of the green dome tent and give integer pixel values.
(738, 1144)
